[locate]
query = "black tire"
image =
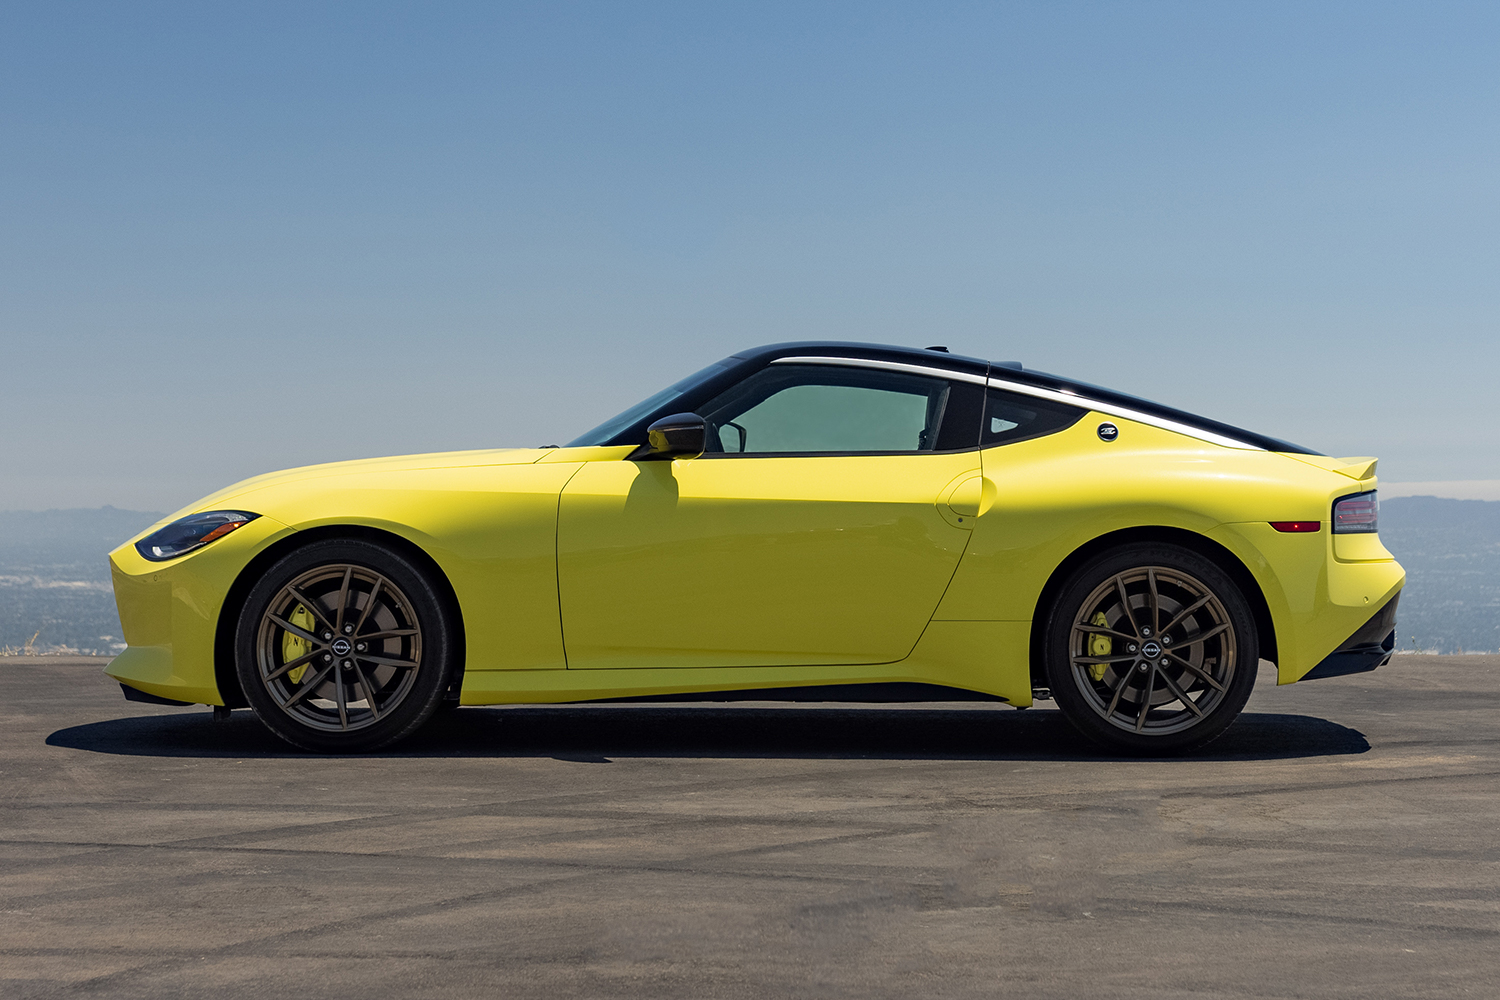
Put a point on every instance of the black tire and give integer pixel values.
(1172, 630)
(367, 657)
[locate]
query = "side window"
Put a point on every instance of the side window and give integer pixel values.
(800, 409)
(1011, 417)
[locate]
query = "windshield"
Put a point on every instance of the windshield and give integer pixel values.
(614, 425)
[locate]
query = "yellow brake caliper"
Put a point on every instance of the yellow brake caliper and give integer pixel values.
(1099, 645)
(293, 646)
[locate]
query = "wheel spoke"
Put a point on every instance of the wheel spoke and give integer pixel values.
(394, 633)
(369, 689)
(387, 661)
(1125, 605)
(1096, 660)
(1182, 695)
(1155, 598)
(297, 631)
(369, 605)
(290, 665)
(338, 622)
(312, 606)
(1140, 718)
(1114, 701)
(340, 698)
(1101, 630)
(1202, 674)
(1193, 640)
(1185, 612)
(307, 688)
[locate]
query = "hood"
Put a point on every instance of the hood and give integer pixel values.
(395, 463)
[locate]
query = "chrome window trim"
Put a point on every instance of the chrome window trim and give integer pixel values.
(1125, 413)
(895, 366)
(1071, 398)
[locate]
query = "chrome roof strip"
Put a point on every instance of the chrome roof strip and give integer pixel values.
(1071, 398)
(1125, 413)
(895, 366)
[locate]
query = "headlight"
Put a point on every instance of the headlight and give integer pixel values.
(192, 532)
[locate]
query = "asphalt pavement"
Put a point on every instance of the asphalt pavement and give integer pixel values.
(1339, 841)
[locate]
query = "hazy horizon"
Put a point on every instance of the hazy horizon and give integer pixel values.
(237, 239)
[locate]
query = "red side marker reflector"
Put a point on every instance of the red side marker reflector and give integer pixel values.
(1296, 525)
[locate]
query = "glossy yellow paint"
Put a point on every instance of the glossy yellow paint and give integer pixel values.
(1350, 468)
(1360, 548)
(971, 495)
(719, 562)
(975, 656)
(1315, 601)
(169, 612)
(1054, 494)
(489, 527)
(1057, 493)
(720, 573)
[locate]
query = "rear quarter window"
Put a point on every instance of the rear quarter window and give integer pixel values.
(1010, 417)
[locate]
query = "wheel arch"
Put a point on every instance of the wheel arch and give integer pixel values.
(1265, 626)
(225, 675)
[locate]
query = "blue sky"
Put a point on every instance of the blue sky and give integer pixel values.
(235, 238)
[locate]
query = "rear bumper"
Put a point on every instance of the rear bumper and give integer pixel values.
(1369, 647)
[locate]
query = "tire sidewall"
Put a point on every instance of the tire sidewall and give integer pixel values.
(1058, 662)
(437, 645)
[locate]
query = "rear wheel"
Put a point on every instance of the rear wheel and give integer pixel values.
(1151, 649)
(344, 646)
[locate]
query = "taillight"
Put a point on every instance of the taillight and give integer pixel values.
(1357, 514)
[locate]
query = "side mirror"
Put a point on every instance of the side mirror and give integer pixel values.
(681, 435)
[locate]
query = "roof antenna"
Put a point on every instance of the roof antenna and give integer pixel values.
(943, 349)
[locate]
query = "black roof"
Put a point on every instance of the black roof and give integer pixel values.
(1013, 371)
(872, 352)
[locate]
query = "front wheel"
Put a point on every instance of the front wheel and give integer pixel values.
(344, 646)
(1151, 648)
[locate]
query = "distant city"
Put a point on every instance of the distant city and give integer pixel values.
(55, 591)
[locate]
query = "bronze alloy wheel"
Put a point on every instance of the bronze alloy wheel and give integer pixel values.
(338, 647)
(1151, 648)
(344, 645)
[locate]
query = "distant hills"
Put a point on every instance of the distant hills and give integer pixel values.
(54, 576)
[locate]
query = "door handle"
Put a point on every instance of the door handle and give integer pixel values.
(966, 499)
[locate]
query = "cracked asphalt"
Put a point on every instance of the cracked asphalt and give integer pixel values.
(1339, 841)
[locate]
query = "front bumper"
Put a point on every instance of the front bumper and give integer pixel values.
(170, 611)
(136, 694)
(1369, 647)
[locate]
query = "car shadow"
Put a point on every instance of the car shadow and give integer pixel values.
(599, 733)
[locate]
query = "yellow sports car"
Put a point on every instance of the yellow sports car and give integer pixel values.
(808, 521)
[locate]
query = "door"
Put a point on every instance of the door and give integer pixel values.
(812, 530)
